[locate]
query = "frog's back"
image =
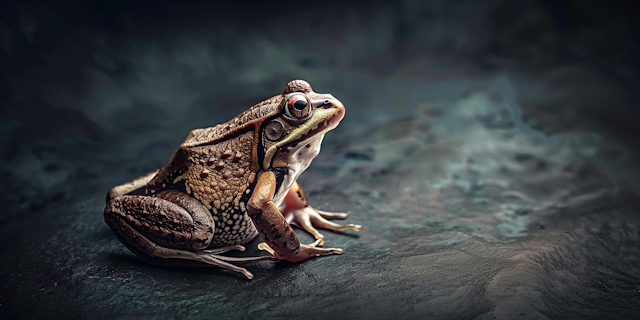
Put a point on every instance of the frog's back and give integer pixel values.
(243, 123)
(214, 165)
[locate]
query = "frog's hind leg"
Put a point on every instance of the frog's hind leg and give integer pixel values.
(298, 212)
(170, 230)
(151, 252)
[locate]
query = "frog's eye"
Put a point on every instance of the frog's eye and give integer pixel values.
(274, 130)
(298, 108)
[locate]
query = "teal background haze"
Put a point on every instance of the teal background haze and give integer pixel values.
(489, 150)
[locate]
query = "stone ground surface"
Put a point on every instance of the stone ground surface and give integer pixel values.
(489, 151)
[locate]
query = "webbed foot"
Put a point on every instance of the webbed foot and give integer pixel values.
(309, 218)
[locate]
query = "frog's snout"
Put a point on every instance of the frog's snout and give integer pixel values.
(334, 104)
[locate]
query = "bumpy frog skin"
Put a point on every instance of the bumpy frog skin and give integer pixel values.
(227, 184)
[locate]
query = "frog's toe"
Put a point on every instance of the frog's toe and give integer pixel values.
(318, 243)
(318, 220)
(224, 249)
(307, 251)
(332, 215)
(302, 219)
(245, 259)
(309, 219)
(265, 247)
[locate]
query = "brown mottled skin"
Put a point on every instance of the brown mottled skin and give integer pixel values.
(223, 185)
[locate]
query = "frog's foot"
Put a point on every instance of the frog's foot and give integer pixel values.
(275, 229)
(297, 211)
(309, 218)
(303, 247)
(265, 247)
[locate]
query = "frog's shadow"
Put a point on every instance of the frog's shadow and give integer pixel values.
(261, 268)
(130, 260)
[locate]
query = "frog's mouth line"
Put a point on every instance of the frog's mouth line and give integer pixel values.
(306, 134)
(322, 127)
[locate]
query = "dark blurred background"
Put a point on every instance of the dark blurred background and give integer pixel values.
(52, 51)
(541, 95)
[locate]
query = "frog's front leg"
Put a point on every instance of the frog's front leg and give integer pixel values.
(298, 212)
(274, 228)
(172, 225)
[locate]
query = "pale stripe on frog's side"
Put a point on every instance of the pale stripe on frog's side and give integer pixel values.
(224, 184)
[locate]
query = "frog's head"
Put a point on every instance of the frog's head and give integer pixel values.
(294, 133)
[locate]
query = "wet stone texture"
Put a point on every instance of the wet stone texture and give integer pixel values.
(495, 175)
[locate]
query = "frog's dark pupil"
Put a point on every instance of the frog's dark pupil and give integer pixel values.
(300, 105)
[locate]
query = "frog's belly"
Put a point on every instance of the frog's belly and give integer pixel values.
(298, 162)
(232, 228)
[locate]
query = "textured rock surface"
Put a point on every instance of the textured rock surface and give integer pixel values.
(488, 151)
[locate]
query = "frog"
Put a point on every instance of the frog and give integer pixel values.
(227, 184)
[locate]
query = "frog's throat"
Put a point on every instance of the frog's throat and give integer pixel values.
(322, 122)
